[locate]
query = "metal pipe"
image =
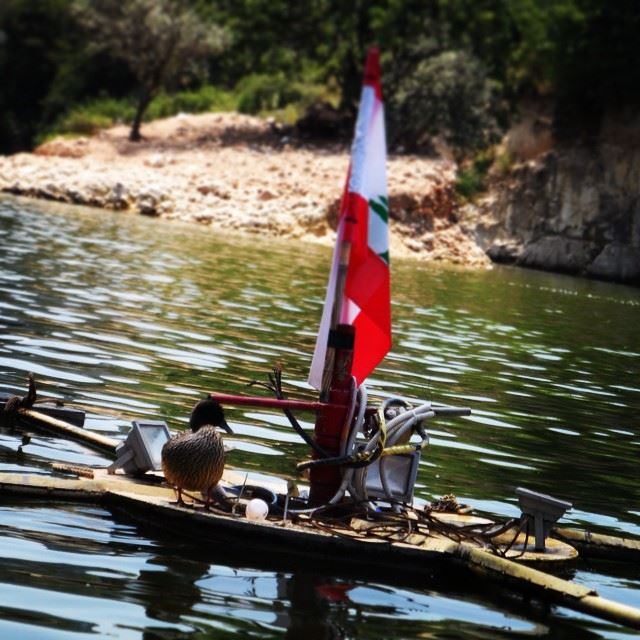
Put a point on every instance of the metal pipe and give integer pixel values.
(273, 403)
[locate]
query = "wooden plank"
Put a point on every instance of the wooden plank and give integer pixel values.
(597, 545)
(96, 487)
(63, 429)
(549, 587)
(520, 546)
(401, 554)
(284, 537)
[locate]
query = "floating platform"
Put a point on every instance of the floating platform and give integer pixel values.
(153, 497)
(408, 546)
(387, 544)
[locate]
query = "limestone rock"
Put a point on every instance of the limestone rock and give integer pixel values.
(617, 261)
(574, 209)
(557, 253)
(505, 253)
(118, 197)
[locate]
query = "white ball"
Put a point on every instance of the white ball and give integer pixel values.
(257, 509)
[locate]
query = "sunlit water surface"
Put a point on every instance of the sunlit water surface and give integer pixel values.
(129, 317)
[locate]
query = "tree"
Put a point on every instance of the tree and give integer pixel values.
(161, 41)
(33, 35)
(436, 90)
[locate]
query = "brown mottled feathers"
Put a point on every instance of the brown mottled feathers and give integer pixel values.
(194, 460)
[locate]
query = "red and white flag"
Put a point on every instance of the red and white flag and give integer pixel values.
(363, 228)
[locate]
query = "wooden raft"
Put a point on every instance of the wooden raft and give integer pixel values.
(154, 501)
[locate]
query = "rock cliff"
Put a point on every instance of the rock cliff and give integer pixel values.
(574, 208)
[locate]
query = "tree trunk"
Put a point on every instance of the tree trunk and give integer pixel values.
(143, 103)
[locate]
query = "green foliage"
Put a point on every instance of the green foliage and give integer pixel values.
(596, 58)
(112, 109)
(35, 35)
(584, 53)
(207, 98)
(102, 113)
(160, 41)
(503, 163)
(472, 178)
(89, 117)
(447, 61)
(449, 95)
(157, 39)
(268, 37)
(261, 92)
(277, 96)
(469, 183)
(84, 122)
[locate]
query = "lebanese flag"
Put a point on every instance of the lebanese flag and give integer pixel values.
(363, 233)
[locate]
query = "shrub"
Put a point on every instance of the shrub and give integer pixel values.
(84, 123)
(207, 98)
(503, 163)
(88, 118)
(469, 182)
(471, 179)
(260, 93)
(101, 113)
(445, 94)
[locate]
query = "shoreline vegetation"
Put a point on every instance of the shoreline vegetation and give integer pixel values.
(238, 172)
(512, 126)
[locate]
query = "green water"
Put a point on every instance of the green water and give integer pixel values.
(131, 317)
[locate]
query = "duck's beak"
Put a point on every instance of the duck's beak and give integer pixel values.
(225, 426)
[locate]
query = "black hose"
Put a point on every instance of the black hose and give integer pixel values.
(345, 461)
(323, 453)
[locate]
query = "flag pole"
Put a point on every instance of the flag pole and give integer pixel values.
(357, 297)
(343, 266)
(336, 386)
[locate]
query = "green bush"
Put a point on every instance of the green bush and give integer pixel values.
(114, 109)
(444, 94)
(259, 93)
(88, 118)
(503, 163)
(207, 98)
(472, 179)
(85, 123)
(289, 114)
(102, 113)
(285, 100)
(470, 182)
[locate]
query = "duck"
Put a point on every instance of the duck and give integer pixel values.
(194, 460)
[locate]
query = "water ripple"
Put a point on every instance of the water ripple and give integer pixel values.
(131, 317)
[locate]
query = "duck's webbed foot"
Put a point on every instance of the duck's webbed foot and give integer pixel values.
(179, 501)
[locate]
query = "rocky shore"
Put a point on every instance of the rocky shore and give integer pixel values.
(574, 209)
(239, 172)
(569, 202)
